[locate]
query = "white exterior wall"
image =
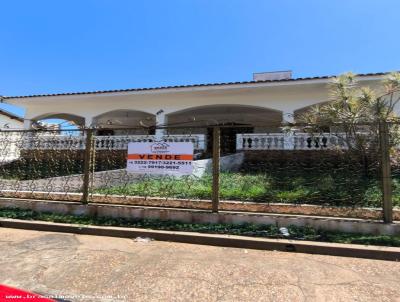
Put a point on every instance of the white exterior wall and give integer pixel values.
(9, 140)
(278, 98)
(9, 123)
(285, 97)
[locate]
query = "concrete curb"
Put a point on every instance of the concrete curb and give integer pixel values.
(309, 247)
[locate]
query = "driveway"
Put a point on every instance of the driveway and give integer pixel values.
(91, 268)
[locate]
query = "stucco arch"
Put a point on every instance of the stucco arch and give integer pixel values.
(123, 118)
(72, 118)
(225, 114)
(124, 121)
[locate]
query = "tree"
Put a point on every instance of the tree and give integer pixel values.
(355, 113)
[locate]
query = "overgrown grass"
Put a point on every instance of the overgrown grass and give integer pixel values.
(339, 190)
(267, 231)
(320, 179)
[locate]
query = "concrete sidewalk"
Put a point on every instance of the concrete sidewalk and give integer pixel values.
(91, 268)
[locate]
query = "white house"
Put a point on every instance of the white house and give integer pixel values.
(9, 149)
(10, 120)
(261, 105)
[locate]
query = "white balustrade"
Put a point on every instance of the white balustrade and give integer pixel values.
(199, 140)
(53, 142)
(119, 142)
(114, 142)
(296, 141)
(244, 141)
(323, 141)
(260, 141)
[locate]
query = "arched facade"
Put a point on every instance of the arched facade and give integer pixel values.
(124, 121)
(64, 120)
(201, 117)
(233, 119)
(251, 111)
(286, 97)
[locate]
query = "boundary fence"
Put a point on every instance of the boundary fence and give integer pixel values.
(34, 163)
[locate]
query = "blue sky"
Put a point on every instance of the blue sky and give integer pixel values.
(71, 45)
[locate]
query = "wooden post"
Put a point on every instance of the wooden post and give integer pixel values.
(87, 165)
(386, 172)
(215, 170)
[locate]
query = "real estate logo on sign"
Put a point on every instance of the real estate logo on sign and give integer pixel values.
(160, 158)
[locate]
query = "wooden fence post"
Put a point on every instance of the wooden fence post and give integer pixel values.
(87, 165)
(386, 172)
(215, 168)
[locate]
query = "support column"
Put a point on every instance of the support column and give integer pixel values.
(27, 136)
(88, 122)
(161, 121)
(287, 119)
(27, 124)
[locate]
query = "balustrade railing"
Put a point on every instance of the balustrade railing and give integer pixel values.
(199, 140)
(260, 141)
(283, 141)
(305, 141)
(244, 141)
(115, 142)
(119, 142)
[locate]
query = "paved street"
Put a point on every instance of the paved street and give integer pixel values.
(90, 268)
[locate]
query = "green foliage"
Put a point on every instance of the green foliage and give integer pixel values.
(232, 186)
(51, 164)
(355, 112)
(352, 104)
(339, 189)
(293, 196)
(34, 168)
(246, 229)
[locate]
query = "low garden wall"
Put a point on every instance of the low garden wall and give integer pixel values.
(225, 205)
(191, 216)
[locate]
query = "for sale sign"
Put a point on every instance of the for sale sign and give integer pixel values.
(160, 158)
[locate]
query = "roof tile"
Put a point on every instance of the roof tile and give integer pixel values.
(185, 86)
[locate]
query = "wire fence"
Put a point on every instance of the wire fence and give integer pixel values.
(334, 166)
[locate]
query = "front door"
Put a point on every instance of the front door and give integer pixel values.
(228, 138)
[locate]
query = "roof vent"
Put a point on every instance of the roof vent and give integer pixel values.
(272, 76)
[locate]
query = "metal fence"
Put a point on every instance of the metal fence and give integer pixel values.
(242, 165)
